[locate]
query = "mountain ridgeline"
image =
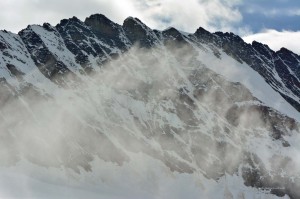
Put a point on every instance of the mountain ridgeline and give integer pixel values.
(202, 103)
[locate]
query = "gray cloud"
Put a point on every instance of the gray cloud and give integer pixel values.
(294, 12)
(274, 12)
(277, 14)
(214, 14)
(17, 14)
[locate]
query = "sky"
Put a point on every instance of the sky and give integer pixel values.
(274, 22)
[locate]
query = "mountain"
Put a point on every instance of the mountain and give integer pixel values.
(102, 110)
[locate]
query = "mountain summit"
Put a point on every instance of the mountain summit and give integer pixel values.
(167, 111)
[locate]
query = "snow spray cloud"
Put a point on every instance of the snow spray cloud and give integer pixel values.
(160, 102)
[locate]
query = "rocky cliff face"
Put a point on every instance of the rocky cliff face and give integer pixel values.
(203, 104)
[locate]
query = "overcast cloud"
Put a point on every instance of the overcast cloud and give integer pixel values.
(239, 16)
(159, 14)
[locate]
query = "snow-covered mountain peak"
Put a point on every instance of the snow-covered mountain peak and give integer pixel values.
(83, 101)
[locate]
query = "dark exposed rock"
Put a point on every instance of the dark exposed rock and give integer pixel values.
(101, 25)
(138, 32)
(290, 59)
(14, 70)
(76, 36)
(46, 62)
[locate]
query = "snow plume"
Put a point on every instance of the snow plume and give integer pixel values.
(153, 123)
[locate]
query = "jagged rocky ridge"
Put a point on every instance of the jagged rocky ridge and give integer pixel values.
(124, 89)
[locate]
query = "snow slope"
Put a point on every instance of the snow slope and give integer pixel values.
(99, 110)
